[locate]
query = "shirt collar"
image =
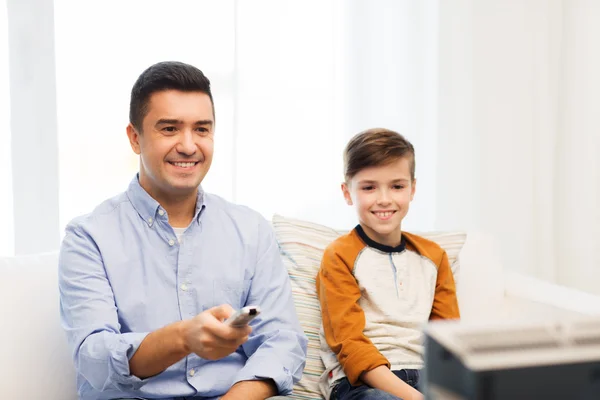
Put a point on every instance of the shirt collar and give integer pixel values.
(147, 207)
(381, 247)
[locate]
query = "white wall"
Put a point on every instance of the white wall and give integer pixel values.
(519, 132)
(578, 171)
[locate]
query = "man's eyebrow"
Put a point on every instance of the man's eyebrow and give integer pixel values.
(204, 122)
(172, 121)
(167, 121)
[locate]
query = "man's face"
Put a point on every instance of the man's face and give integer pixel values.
(176, 145)
(382, 196)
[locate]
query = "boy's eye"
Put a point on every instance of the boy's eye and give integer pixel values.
(368, 188)
(398, 187)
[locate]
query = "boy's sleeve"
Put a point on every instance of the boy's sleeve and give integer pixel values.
(344, 319)
(445, 303)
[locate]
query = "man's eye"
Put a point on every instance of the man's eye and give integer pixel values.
(169, 129)
(202, 130)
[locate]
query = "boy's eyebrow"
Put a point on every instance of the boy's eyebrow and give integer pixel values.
(365, 181)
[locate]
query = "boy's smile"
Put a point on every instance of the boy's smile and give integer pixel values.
(382, 197)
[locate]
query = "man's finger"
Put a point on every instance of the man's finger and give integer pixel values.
(231, 333)
(221, 312)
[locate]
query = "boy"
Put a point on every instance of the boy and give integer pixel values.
(378, 285)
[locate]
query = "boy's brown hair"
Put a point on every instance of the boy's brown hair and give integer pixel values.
(376, 147)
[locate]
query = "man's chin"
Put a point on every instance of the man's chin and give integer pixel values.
(178, 187)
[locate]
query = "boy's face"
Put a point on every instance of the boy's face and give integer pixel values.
(382, 196)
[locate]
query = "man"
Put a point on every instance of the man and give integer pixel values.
(147, 279)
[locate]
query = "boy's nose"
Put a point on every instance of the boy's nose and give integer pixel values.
(384, 197)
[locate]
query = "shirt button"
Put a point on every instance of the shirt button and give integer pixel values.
(192, 372)
(183, 287)
(161, 212)
(171, 242)
(149, 220)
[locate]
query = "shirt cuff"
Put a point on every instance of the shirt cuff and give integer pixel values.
(262, 367)
(120, 352)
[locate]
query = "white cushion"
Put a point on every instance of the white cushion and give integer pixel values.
(34, 357)
(302, 245)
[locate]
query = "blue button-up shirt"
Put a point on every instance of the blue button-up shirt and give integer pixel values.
(123, 274)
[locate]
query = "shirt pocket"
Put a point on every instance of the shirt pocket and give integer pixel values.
(232, 292)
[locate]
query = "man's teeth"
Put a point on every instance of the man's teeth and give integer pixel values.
(184, 164)
(384, 214)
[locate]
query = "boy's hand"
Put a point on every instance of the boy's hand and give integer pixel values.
(207, 336)
(383, 379)
(417, 396)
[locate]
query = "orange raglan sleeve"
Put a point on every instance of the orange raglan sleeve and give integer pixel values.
(343, 318)
(445, 303)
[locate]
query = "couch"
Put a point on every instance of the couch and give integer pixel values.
(35, 361)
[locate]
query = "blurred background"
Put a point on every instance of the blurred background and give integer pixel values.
(501, 99)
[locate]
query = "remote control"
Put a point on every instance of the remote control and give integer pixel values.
(243, 316)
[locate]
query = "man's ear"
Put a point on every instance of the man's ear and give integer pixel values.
(412, 190)
(346, 192)
(134, 139)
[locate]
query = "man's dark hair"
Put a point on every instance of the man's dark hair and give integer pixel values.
(167, 75)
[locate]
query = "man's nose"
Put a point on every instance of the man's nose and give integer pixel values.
(186, 143)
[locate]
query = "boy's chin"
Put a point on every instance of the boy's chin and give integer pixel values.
(384, 229)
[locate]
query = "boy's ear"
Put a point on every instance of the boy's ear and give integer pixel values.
(346, 193)
(412, 190)
(134, 139)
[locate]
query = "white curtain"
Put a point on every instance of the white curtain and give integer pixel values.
(101, 48)
(6, 203)
(312, 74)
(500, 99)
(293, 82)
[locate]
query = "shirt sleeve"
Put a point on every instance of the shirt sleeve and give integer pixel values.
(344, 319)
(276, 348)
(445, 303)
(89, 316)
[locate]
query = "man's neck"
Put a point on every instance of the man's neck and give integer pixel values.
(180, 208)
(181, 211)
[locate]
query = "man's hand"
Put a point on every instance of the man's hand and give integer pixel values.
(205, 335)
(208, 337)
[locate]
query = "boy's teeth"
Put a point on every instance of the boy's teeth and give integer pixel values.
(384, 214)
